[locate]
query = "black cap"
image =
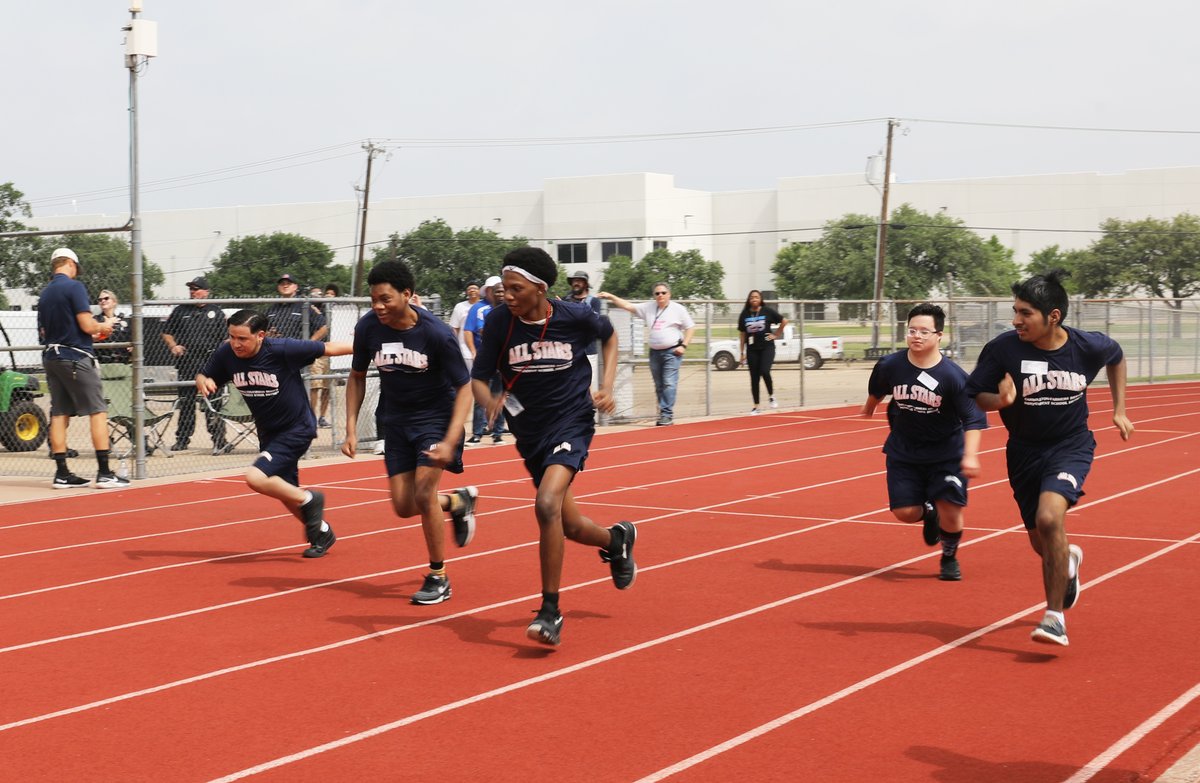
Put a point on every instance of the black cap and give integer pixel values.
(288, 278)
(199, 282)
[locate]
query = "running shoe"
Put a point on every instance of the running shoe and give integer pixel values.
(110, 480)
(435, 590)
(950, 572)
(1073, 587)
(546, 627)
(931, 530)
(69, 481)
(313, 514)
(619, 555)
(1050, 631)
(464, 518)
(772, 403)
(320, 545)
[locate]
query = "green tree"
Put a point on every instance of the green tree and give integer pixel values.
(1072, 261)
(250, 266)
(688, 274)
(445, 261)
(17, 254)
(922, 250)
(105, 262)
(1159, 258)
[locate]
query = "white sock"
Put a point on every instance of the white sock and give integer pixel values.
(307, 498)
(1072, 570)
(324, 526)
(1062, 618)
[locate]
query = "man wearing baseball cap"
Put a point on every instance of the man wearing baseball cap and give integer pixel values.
(286, 319)
(67, 328)
(581, 293)
(192, 332)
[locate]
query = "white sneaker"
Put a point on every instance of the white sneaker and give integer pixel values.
(773, 403)
(755, 411)
(110, 481)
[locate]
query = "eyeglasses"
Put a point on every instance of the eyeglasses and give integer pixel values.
(921, 332)
(661, 293)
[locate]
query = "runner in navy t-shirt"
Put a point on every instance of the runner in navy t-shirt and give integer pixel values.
(1037, 377)
(933, 447)
(539, 348)
(266, 370)
(424, 401)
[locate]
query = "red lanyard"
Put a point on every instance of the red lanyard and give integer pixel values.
(545, 325)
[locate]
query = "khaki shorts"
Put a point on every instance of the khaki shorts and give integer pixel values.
(320, 366)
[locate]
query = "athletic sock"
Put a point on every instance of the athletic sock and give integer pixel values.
(102, 459)
(455, 502)
(1072, 570)
(438, 568)
(1062, 618)
(950, 543)
(550, 601)
(60, 463)
(308, 496)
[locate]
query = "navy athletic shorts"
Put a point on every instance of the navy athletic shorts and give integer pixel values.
(281, 454)
(405, 444)
(563, 443)
(913, 483)
(1034, 468)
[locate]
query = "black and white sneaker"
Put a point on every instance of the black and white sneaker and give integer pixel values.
(471, 441)
(546, 627)
(313, 514)
(69, 481)
(464, 518)
(619, 555)
(110, 480)
(319, 545)
(1050, 631)
(435, 590)
(1073, 585)
(931, 526)
(950, 571)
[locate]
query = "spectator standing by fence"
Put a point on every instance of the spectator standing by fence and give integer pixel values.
(192, 332)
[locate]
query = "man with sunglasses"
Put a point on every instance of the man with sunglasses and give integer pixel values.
(933, 447)
(671, 330)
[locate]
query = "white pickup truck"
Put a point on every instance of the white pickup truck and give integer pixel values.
(816, 351)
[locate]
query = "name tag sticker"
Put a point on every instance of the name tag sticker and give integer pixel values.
(513, 405)
(928, 381)
(392, 348)
(1030, 367)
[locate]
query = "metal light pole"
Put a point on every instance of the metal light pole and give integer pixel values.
(141, 43)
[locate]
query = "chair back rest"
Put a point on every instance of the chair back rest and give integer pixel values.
(235, 406)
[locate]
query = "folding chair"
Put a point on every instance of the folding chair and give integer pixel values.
(230, 406)
(117, 382)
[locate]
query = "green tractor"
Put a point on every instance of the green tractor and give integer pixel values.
(23, 425)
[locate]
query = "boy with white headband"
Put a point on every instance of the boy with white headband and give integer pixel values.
(539, 348)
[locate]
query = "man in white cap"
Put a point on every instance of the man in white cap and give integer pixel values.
(493, 293)
(67, 328)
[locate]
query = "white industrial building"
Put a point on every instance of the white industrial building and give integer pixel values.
(584, 220)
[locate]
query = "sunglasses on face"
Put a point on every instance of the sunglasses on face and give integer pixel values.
(105, 299)
(661, 293)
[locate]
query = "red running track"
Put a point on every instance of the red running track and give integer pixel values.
(782, 626)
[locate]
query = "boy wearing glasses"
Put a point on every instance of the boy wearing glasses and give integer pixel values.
(933, 447)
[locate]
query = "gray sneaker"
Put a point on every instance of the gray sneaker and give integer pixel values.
(464, 518)
(1073, 586)
(435, 590)
(1050, 631)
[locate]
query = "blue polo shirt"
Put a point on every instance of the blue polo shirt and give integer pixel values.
(60, 302)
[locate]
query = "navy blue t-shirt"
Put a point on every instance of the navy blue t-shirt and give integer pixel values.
(929, 410)
(287, 318)
(1051, 386)
(420, 368)
(270, 382)
(548, 361)
(61, 300)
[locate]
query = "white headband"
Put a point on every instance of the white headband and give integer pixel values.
(530, 277)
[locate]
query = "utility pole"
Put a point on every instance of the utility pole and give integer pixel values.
(881, 236)
(141, 43)
(359, 288)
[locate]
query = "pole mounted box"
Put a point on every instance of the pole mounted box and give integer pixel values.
(141, 38)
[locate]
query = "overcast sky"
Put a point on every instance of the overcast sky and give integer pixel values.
(269, 101)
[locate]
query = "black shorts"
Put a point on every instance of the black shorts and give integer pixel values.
(913, 483)
(564, 443)
(1034, 468)
(405, 444)
(281, 454)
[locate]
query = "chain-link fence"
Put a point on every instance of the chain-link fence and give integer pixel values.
(828, 366)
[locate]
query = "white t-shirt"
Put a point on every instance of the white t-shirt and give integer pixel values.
(667, 324)
(458, 317)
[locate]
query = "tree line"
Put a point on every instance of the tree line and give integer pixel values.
(927, 254)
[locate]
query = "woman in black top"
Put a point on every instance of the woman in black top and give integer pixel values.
(120, 333)
(759, 326)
